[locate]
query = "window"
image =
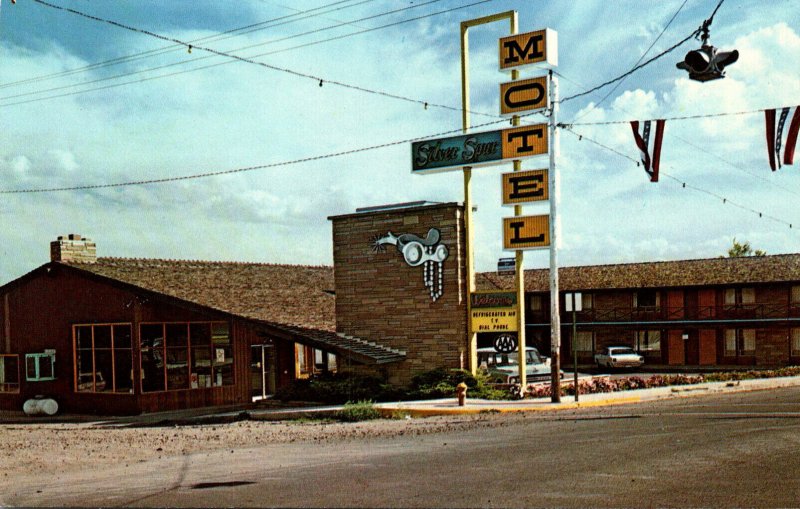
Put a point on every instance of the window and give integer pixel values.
(535, 303)
(40, 367)
(738, 296)
(795, 298)
(648, 340)
(584, 342)
(103, 358)
(646, 299)
(587, 301)
(185, 355)
(740, 342)
(796, 342)
(9, 373)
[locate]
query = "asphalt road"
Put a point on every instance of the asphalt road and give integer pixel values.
(721, 451)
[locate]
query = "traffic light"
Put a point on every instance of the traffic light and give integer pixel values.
(707, 63)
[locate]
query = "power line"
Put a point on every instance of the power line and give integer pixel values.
(318, 79)
(683, 183)
(234, 32)
(635, 68)
(292, 72)
(237, 170)
(608, 94)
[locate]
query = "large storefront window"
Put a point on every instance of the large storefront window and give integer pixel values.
(186, 355)
(103, 359)
(9, 373)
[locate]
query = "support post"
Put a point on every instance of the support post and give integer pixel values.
(555, 308)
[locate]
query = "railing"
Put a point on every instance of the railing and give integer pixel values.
(676, 313)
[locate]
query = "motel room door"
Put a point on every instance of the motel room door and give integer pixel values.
(262, 371)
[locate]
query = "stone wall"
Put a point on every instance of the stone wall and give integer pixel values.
(381, 298)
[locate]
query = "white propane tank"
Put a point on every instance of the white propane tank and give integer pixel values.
(40, 406)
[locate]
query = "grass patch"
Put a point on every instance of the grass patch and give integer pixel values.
(357, 412)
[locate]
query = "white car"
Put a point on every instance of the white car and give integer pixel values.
(618, 357)
(504, 367)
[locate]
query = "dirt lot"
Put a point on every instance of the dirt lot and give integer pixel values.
(41, 449)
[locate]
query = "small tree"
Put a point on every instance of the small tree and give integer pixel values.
(743, 249)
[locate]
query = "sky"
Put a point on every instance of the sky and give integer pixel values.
(87, 103)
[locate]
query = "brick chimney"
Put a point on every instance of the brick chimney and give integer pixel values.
(73, 248)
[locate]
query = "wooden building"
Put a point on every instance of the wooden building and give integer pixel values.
(125, 336)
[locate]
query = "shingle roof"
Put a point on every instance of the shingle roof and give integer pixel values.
(669, 274)
(284, 294)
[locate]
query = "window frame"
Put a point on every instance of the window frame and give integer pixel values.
(112, 349)
(740, 338)
(37, 357)
(656, 299)
(213, 347)
(4, 386)
(578, 341)
(642, 336)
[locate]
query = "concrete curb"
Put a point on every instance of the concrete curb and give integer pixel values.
(473, 407)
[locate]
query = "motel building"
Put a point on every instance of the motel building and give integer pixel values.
(122, 336)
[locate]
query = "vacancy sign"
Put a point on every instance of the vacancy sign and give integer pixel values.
(525, 186)
(526, 232)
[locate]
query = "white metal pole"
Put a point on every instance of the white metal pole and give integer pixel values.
(555, 317)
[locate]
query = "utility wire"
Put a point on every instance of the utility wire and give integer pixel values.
(608, 94)
(683, 183)
(238, 170)
(635, 68)
(262, 64)
(234, 32)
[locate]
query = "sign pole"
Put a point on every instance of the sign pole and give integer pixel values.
(555, 317)
(472, 336)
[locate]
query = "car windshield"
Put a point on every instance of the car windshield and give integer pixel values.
(623, 351)
(510, 359)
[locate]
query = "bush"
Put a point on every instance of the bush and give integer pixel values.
(355, 412)
(338, 388)
(442, 382)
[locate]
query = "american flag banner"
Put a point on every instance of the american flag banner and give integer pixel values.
(780, 137)
(649, 145)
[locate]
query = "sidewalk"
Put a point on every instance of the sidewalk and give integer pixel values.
(426, 408)
(475, 406)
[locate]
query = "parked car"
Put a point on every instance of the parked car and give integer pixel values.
(504, 367)
(618, 357)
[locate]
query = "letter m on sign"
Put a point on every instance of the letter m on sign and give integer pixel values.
(529, 48)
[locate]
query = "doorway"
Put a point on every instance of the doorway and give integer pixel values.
(262, 371)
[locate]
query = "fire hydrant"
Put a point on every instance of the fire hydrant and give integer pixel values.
(461, 393)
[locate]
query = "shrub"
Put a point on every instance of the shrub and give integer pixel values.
(337, 389)
(359, 411)
(442, 382)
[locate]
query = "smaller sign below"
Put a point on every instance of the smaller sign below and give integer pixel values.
(538, 47)
(526, 232)
(525, 186)
(493, 311)
(523, 95)
(506, 266)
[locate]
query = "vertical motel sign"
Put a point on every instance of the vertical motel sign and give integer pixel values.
(530, 95)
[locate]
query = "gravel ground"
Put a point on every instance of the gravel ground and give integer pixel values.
(57, 448)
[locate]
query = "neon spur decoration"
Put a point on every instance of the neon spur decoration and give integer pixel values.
(417, 251)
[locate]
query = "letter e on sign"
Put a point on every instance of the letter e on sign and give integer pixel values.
(526, 232)
(525, 186)
(539, 47)
(523, 95)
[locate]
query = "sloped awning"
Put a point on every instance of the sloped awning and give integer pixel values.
(344, 346)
